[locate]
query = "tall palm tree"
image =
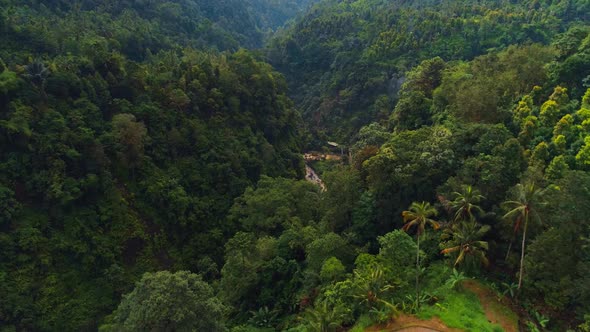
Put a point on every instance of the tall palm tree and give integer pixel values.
(419, 215)
(522, 210)
(465, 203)
(466, 242)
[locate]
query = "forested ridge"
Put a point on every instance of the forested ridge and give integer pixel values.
(152, 179)
(140, 27)
(347, 59)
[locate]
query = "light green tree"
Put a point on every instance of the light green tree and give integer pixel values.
(550, 113)
(583, 156)
(557, 168)
(332, 270)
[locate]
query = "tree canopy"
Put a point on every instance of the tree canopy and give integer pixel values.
(160, 161)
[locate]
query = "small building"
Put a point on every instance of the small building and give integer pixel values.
(336, 145)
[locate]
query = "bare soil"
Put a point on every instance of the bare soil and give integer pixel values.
(407, 323)
(496, 311)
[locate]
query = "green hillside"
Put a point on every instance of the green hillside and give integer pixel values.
(152, 175)
(346, 60)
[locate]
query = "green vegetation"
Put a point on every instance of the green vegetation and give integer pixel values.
(169, 302)
(140, 28)
(151, 170)
(461, 310)
(347, 60)
(419, 216)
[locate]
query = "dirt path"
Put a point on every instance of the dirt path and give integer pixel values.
(495, 310)
(406, 323)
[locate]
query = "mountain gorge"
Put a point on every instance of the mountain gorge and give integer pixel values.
(152, 179)
(346, 60)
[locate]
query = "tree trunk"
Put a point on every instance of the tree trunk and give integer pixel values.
(509, 248)
(417, 272)
(526, 222)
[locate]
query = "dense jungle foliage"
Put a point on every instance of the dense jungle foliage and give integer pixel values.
(152, 179)
(346, 60)
(138, 27)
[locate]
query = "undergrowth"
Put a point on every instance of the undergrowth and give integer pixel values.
(460, 310)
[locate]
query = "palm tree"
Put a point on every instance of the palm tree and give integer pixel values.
(372, 286)
(466, 242)
(419, 215)
(465, 203)
(37, 74)
(522, 210)
(323, 318)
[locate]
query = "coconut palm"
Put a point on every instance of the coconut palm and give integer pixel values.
(521, 210)
(466, 242)
(323, 318)
(465, 203)
(36, 72)
(418, 216)
(371, 286)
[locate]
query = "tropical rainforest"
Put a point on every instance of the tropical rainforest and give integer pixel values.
(152, 170)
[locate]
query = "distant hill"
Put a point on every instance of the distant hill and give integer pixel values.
(345, 60)
(141, 26)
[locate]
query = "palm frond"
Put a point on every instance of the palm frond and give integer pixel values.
(460, 258)
(450, 250)
(482, 244)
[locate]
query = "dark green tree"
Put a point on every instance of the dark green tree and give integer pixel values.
(166, 301)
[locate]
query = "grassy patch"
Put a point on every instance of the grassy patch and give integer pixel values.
(362, 323)
(506, 312)
(460, 310)
(490, 298)
(249, 328)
